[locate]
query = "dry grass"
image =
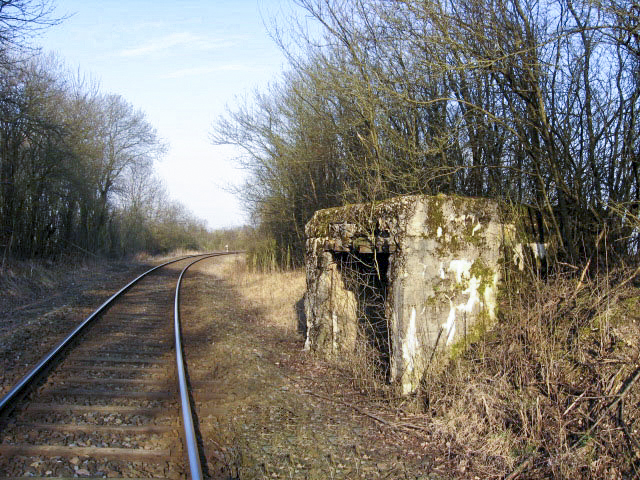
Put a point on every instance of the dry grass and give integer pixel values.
(277, 295)
(552, 391)
(42, 301)
(277, 410)
(22, 280)
(25, 283)
(165, 257)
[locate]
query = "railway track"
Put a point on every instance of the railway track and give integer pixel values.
(112, 399)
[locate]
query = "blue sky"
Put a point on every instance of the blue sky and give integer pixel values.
(180, 62)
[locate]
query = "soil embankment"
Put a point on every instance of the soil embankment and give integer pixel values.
(40, 305)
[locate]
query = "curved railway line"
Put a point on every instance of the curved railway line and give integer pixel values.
(112, 399)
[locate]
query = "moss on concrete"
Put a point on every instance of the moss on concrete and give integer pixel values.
(365, 216)
(483, 273)
(450, 242)
(476, 332)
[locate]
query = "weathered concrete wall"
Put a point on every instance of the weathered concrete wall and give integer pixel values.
(331, 309)
(444, 256)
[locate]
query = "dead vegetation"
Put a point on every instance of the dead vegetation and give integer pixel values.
(42, 302)
(552, 390)
(274, 410)
(29, 284)
(277, 294)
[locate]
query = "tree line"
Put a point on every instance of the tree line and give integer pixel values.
(532, 102)
(76, 164)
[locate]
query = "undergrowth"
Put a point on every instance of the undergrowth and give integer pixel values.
(24, 280)
(276, 294)
(553, 390)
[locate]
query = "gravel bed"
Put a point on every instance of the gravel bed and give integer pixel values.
(88, 467)
(96, 438)
(73, 393)
(115, 419)
(39, 317)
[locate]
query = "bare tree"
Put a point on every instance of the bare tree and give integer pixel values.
(20, 20)
(525, 101)
(69, 160)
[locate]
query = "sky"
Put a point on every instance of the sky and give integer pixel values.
(181, 62)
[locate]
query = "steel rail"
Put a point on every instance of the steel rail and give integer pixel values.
(187, 416)
(47, 359)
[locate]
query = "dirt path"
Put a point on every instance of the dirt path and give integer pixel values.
(270, 410)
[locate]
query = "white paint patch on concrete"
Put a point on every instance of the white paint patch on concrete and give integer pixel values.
(449, 327)
(460, 268)
(334, 319)
(410, 347)
(425, 270)
(474, 299)
(490, 296)
(472, 291)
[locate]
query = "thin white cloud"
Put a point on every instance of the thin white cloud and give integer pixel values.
(172, 41)
(191, 72)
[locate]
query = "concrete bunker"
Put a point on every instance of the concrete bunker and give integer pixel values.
(412, 276)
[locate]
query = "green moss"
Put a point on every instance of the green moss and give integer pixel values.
(432, 301)
(483, 273)
(365, 216)
(454, 239)
(474, 238)
(362, 242)
(435, 216)
(478, 331)
(447, 243)
(626, 309)
(319, 224)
